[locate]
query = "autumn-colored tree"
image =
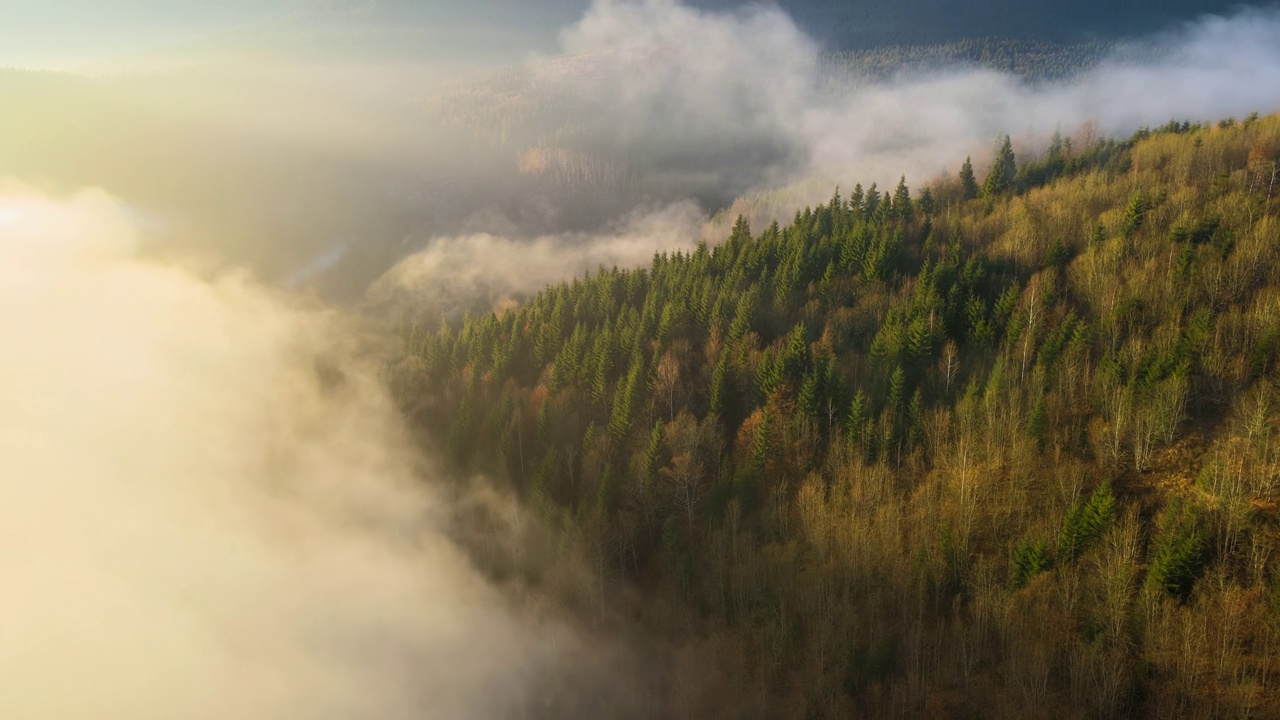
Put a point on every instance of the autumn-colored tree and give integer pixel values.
(905, 451)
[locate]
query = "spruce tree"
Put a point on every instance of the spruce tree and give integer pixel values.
(902, 207)
(741, 231)
(1003, 169)
(968, 183)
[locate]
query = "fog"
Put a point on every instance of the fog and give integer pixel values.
(453, 275)
(665, 102)
(743, 98)
(277, 145)
(211, 507)
(289, 143)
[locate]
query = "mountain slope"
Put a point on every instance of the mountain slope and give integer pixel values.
(1009, 448)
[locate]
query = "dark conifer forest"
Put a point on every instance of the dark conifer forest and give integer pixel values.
(1004, 445)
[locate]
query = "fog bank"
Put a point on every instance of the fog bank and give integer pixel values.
(211, 508)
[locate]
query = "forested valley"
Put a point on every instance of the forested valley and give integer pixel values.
(1003, 445)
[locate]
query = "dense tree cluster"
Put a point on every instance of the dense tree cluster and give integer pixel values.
(864, 26)
(1033, 60)
(1009, 445)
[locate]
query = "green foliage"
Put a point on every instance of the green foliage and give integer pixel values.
(720, 388)
(621, 417)
(866, 406)
(903, 208)
(1086, 522)
(858, 420)
(1003, 170)
(741, 231)
(968, 181)
(1178, 552)
(1037, 421)
(763, 442)
(655, 458)
(1028, 559)
(1134, 214)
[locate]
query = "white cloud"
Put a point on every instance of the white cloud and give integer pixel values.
(474, 271)
(675, 79)
(210, 508)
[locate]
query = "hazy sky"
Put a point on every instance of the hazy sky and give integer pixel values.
(87, 34)
(326, 140)
(80, 34)
(40, 33)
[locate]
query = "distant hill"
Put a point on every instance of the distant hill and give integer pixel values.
(864, 24)
(847, 24)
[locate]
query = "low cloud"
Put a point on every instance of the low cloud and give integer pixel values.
(744, 94)
(211, 508)
(666, 103)
(661, 102)
(483, 271)
(325, 134)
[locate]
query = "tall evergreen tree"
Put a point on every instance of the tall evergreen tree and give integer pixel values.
(741, 231)
(1003, 169)
(902, 206)
(968, 182)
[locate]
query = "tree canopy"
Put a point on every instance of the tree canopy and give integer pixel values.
(1015, 459)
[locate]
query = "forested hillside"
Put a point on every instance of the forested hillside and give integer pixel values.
(861, 25)
(864, 24)
(1004, 446)
(1029, 60)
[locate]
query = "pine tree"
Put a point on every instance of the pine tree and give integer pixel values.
(795, 354)
(655, 456)
(859, 417)
(915, 418)
(810, 395)
(1027, 560)
(871, 202)
(855, 199)
(742, 317)
(763, 441)
(1134, 215)
(1036, 420)
(968, 183)
(897, 386)
(741, 231)
(1178, 552)
(926, 203)
(769, 374)
(620, 418)
(718, 400)
(902, 206)
(1003, 169)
